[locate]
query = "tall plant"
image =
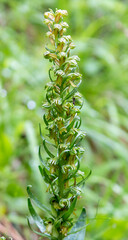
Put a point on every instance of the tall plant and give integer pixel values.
(60, 170)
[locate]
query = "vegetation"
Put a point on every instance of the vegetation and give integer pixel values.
(61, 170)
(99, 30)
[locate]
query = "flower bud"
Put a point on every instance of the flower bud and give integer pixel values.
(62, 55)
(57, 29)
(46, 54)
(47, 21)
(59, 73)
(49, 228)
(56, 205)
(64, 203)
(59, 14)
(62, 40)
(73, 63)
(72, 45)
(61, 43)
(64, 230)
(64, 24)
(74, 57)
(68, 38)
(49, 34)
(49, 15)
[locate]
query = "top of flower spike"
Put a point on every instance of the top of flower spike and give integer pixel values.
(55, 16)
(57, 28)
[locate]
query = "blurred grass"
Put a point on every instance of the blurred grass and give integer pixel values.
(100, 32)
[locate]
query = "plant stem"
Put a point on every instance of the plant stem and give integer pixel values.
(60, 183)
(63, 104)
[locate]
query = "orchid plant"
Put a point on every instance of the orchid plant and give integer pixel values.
(61, 169)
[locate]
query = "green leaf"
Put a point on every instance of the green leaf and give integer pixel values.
(47, 150)
(72, 173)
(62, 94)
(49, 72)
(45, 121)
(66, 150)
(79, 229)
(70, 210)
(52, 183)
(71, 124)
(45, 175)
(37, 202)
(44, 138)
(41, 234)
(50, 50)
(79, 136)
(78, 123)
(78, 184)
(70, 94)
(84, 179)
(38, 221)
(47, 97)
(41, 159)
(44, 144)
(40, 132)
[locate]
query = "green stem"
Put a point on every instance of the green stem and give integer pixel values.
(60, 237)
(60, 182)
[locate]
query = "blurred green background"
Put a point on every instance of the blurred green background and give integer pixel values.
(99, 29)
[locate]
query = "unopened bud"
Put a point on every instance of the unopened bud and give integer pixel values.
(64, 25)
(49, 228)
(59, 14)
(49, 15)
(46, 54)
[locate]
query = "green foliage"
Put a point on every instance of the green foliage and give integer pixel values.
(63, 104)
(5, 150)
(78, 230)
(99, 30)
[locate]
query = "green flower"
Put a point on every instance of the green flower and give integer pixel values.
(60, 170)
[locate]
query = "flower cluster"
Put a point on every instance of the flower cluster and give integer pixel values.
(63, 103)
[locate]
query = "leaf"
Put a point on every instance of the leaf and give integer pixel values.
(66, 150)
(47, 150)
(50, 50)
(78, 123)
(38, 221)
(45, 121)
(82, 181)
(62, 94)
(49, 72)
(45, 175)
(72, 173)
(73, 85)
(48, 98)
(41, 159)
(41, 234)
(79, 136)
(71, 124)
(40, 132)
(70, 210)
(44, 144)
(44, 138)
(52, 183)
(79, 183)
(37, 202)
(70, 94)
(79, 229)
